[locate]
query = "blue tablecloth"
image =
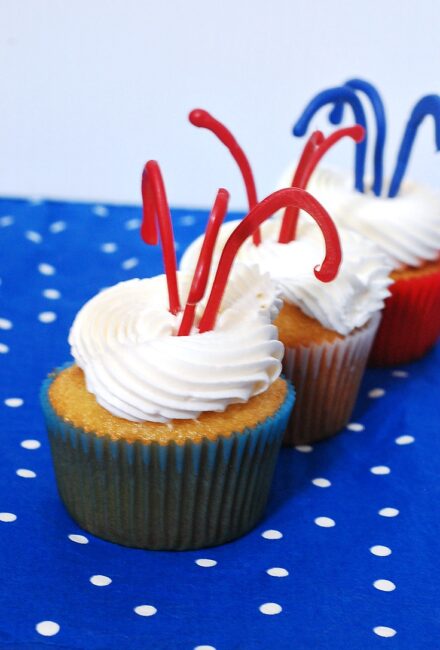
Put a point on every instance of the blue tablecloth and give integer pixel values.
(346, 556)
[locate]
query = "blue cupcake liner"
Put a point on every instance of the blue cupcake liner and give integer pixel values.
(169, 497)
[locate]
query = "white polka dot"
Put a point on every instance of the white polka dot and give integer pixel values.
(205, 562)
(382, 630)
(380, 470)
(187, 220)
(3, 348)
(401, 374)
(5, 324)
(46, 269)
(384, 585)
(6, 221)
(33, 236)
(109, 247)
(14, 402)
(30, 444)
(78, 539)
(304, 449)
(277, 572)
(270, 608)
(36, 200)
(380, 551)
(388, 512)
(100, 210)
(376, 392)
(204, 647)
(7, 517)
(130, 263)
(25, 473)
(132, 224)
(57, 226)
(325, 522)
(404, 440)
(321, 482)
(100, 581)
(47, 317)
(52, 294)
(272, 534)
(145, 610)
(47, 628)
(355, 426)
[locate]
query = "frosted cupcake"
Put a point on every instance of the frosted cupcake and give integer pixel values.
(327, 328)
(153, 448)
(402, 218)
(165, 431)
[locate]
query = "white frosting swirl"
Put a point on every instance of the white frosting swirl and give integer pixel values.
(124, 341)
(342, 305)
(406, 228)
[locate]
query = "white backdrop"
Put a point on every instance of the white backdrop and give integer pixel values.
(90, 89)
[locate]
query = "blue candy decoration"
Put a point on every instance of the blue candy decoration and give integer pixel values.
(338, 95)
(428, 105)
(377, 105)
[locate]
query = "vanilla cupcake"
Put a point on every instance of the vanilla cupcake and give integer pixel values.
(407, 229)
(165, 431)
(162, 441)
(327, 328)
(401, 217)
(327, 325)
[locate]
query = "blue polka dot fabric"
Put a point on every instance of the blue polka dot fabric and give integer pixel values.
(345, 557)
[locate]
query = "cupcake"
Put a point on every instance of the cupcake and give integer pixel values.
(167, 442)
(401, 217)
(165, 430)
(327, 329)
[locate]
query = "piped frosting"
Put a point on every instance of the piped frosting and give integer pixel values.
(348, 302)
(124, 339)
(406, 228)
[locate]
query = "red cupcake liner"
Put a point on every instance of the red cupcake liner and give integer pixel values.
(410, 322)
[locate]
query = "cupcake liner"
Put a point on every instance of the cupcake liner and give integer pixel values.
(326, 379)
(169, 497)
(411, 321)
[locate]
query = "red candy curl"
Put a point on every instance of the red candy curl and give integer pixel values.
(313, 151)
(295, 197)
(201, 273)
(156, 210)
(202, 119)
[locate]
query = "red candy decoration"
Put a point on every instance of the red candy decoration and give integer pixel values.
(202, 119)
(290, 213)
(201, 274)
(315, 140)
(301, 200)
(313, 151)
(155, 205)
